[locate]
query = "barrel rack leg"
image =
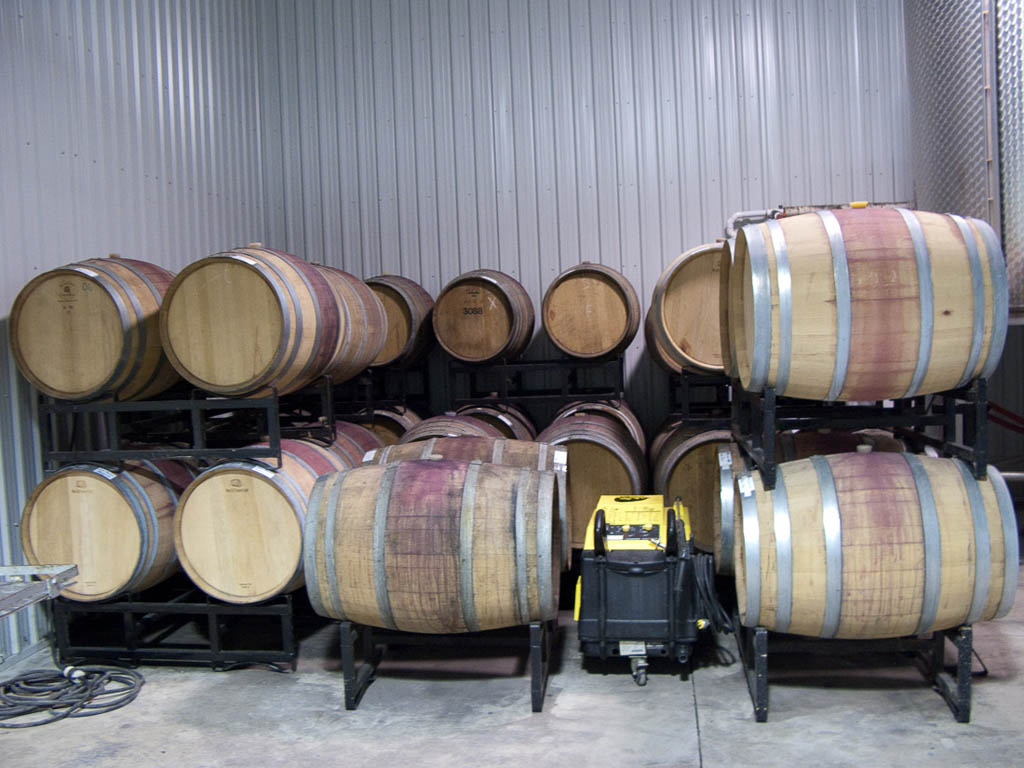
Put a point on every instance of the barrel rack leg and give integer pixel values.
(956, 692)
(357, 679)
(753, 648)
(541, 637)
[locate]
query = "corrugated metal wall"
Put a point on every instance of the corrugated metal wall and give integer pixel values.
(129, 127)
(430, 138)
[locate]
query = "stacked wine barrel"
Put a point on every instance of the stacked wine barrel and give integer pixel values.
(859, 539)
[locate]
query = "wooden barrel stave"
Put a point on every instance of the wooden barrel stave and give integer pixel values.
(591, 311)
(449, 426)
(511, 421)
(389, 424)
(618, 410)
(433, 546)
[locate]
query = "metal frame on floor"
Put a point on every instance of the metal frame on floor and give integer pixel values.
(502, 381)
(755, 643)
(374, 644)
(137, 617)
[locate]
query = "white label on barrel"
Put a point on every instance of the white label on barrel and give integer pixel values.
(105, 473)
(632, 648)
(246, 259)
(560, 458)
(746, 484)
(368, 456)
(265, 471)
(725, 458)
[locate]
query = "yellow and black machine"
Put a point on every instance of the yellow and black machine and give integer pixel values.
(637, 594)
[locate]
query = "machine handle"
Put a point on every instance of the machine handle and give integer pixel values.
(600, 531)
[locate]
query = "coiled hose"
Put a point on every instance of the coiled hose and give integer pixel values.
(72, 692)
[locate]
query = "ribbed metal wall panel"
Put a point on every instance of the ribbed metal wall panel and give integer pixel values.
(130, 127)
(430, 138)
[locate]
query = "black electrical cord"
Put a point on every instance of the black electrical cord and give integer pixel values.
(71, 692)
(704, 568)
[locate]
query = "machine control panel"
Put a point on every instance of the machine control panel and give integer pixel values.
(635, 531)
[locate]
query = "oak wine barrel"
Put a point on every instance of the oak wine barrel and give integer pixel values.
(511, 453)
(874, 545)
(250, 321)
(510, 420)
(684, 313)
(92, 329)
(449, 426)
(434, 546)
(115, 524)
(615, 409)
(591, 311)
(238, 530)
(390, 423)
(789, 446)
(352, 442)
(866, 304)
(408, 308)
(602, 458)
(362, 328)
(483, 315)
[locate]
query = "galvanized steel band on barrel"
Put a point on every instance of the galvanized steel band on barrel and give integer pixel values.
(785, 286)
(1000, 296)
(751, 548)
(783, 554)
(726, 499)
(841, 278)
(932, 544)
(1011, 562)
(982, 544)
(380, 524)
(519, 526)
(310, 542)
(760, 355)
(466, 595)
(926, 297)
(831, 523)
(978, 297)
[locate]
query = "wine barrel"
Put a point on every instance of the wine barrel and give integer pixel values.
(511, 453)
(114, 524)
(389, 424)
(92, 329)
(249, 322)
(434, 546)
(408, 308)
(238, 530)
(874, 545)
(483, 315)
(789, 446)
(591, 311)
(449, 426)
(892, 303)
(363, 324)
(352, 442)
(686, 467)
(511, 421)
(602, 458)
(615, 409)
(684, 321)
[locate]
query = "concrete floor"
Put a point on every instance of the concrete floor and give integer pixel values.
(433, 709)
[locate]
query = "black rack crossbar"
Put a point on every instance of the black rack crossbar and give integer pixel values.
(374, 644)
(755, 643)
(507, 377)
(140, 617)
